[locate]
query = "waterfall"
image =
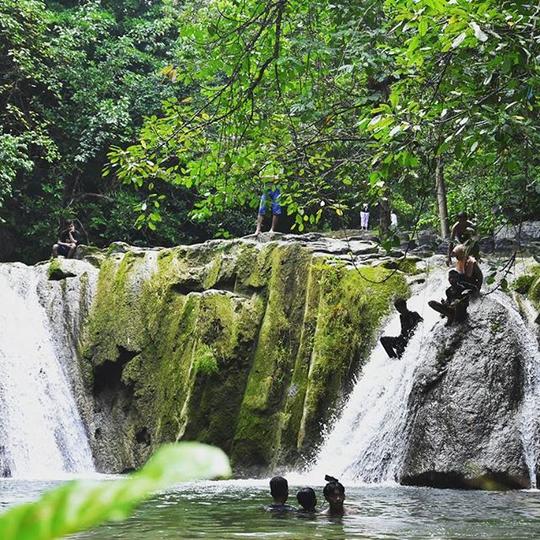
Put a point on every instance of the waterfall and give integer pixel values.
(367, 441)
(530, 407)
(41, 431)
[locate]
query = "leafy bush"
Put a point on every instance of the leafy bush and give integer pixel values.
(80, 505)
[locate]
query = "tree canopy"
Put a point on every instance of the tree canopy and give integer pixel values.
(191, 109)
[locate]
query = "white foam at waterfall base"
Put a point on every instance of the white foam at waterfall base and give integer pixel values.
(366, 443)
(41, 432)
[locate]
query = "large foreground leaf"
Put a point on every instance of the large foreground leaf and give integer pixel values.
(79, 505)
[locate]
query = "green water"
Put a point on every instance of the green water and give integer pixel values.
(234, 510)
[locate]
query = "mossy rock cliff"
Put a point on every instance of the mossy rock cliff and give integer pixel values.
(245, 344)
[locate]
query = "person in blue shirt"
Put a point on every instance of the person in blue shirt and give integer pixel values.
(271, 195)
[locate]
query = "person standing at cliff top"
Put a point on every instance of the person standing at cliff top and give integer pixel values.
(464, 232)
(270, 195)
(364, 217)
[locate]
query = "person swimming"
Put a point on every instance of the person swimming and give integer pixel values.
(279, 489)
(334, 493)
(307, 500)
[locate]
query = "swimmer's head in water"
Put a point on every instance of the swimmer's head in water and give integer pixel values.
(306, 498)
(460, 252)
(334, 492)
(279, 488)
(400, 304)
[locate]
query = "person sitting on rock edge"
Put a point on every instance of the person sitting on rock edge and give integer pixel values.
(395, 346)
(67, 243)
(279, 489)
(307, 500)
(468, 268)
(454, 306)
(334, 493)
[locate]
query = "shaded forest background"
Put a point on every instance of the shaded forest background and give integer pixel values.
(159, 122)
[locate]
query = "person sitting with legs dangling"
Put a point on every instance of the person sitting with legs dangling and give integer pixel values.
(395, 346)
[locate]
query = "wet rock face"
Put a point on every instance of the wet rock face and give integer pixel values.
(465, 407)
(247, 344)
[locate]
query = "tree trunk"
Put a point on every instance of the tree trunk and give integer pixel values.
(384, 215)
(441, 198)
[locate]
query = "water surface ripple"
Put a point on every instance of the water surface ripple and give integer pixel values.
(233, 510)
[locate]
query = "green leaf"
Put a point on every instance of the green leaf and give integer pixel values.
(80, 505)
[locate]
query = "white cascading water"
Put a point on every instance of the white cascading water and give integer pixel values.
(367, 442)
(530, 406)
(41, 431)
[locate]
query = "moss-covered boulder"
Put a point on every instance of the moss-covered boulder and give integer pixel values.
(244, 344)
(528, 284)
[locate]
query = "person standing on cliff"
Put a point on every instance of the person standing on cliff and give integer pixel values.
(395, 346)
(393, 220)
(272, 195)
(364, 217)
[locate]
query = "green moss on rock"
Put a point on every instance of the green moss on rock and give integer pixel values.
(406, 265)
(243, 345)
(529, 285)
(350, 313)
(55, 271)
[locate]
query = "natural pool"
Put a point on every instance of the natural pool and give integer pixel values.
(233, 510)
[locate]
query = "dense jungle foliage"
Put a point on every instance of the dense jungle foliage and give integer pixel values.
(160, 121)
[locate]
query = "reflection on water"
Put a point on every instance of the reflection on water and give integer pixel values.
(233, 510)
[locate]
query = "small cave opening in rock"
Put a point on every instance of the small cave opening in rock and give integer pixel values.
(187, 286)
(108, 376)
(143, 436)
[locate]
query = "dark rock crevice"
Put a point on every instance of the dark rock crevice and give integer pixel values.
(108, 376)
(490, 480)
